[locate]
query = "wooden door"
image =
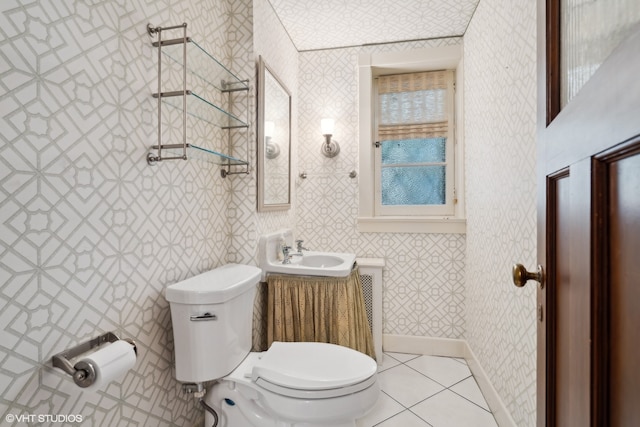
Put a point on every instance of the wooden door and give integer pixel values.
(589, 240)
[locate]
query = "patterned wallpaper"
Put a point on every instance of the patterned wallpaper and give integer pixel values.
(90, 235)
(273, 44)
(423, 291)
(500, 138)
(338, 23)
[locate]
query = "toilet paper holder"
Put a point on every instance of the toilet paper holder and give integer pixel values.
(84, 373)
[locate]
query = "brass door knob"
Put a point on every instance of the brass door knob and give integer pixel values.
(521, 276)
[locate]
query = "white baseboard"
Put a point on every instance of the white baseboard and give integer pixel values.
(498, 408)
(452, 348)
(424, 345)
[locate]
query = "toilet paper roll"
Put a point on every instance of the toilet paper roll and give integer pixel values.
(111, 362)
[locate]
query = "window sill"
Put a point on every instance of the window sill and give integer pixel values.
(400, 224)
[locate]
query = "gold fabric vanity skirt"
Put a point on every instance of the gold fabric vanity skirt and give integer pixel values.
(319, 309)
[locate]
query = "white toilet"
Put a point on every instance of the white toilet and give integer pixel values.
(291, 384)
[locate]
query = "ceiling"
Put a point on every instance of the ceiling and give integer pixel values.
(325, 24)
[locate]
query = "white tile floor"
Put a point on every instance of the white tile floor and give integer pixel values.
(427, 391)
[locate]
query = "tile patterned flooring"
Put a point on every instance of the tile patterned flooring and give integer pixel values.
(427, 391)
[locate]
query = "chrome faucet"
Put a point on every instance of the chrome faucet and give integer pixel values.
(300, 247)
(286, 254)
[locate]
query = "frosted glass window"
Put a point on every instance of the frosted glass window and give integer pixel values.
(589, 32)
(423, 185)
(426, 150)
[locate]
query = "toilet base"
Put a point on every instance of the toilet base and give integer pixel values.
(230, 417)
(244, 409)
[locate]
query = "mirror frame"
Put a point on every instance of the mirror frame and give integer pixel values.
(263, 68)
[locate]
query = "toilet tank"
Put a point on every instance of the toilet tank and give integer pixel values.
(212, 316)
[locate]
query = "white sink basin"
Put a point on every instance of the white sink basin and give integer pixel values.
(321, 260)
(331, 264)
(311, 263)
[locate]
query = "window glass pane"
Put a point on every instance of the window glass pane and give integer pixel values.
(418, 185)
(590, 31)
(426, 150)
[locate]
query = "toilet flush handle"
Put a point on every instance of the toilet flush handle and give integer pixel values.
(203, 317)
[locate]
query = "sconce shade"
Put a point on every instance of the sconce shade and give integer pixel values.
(269, 127)
(327, 125)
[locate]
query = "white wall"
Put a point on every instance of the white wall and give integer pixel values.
(500, 122)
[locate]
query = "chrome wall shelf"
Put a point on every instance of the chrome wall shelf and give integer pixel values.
(202, 109)
(216, 74)
(204, 154)
(204, 103)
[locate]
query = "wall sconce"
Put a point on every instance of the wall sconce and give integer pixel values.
(271, 149)
(330, 148)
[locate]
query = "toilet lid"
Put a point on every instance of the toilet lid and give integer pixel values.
(313, 366)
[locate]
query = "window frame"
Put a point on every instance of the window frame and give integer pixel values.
(448, 208)
(371, 65)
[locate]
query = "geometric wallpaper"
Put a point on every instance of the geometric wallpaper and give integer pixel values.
(500, 146)
(89, 233)
(423, 292)
(272, 43)
(444, 285)
(331, 24)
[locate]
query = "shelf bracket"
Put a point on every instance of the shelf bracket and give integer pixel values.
(228, 88)
(151, 30)
(224, 172)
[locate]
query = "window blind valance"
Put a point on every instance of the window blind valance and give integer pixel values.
(413, 82)
(413, 105)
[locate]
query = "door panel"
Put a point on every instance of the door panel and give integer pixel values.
(568, 300)
(589, 243)
(560, 296)
(624, 291)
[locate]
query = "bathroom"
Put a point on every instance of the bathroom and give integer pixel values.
(91, 234)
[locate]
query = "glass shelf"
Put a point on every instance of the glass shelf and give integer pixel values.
(202, 109)
(206, 75)
(199, 59)
(200, 153)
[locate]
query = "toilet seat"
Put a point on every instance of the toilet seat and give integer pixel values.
(335, 396)
(315, 394)
(313, 370)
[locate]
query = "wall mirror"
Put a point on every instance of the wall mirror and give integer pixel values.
(274, 141)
